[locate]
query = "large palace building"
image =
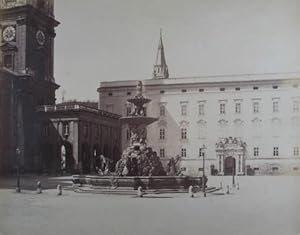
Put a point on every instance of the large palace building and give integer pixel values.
(243, 124)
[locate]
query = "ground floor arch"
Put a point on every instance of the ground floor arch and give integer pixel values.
(229, 166)
(66, 161)
(231, 155)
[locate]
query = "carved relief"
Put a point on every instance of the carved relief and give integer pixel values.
(162, 123)
(276, 121)
(238, 122)
(202, 122)
(256, 121)
(223, 123)
(231, 142)
(184, 123)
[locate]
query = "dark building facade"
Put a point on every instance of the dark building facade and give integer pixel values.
(79, 133)
(26, 76)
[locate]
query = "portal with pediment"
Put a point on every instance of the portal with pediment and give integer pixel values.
(231, 156)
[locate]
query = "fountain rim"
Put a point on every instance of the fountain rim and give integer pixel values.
(133, 120)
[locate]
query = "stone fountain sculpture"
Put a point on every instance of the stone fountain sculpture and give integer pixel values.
(139, 166)
(139, 159)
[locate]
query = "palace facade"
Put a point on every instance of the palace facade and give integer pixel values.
(243, 124)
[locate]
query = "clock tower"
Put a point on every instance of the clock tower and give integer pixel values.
(27, 37)
(27, 33)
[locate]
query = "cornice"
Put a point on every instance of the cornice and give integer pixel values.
(205, 81)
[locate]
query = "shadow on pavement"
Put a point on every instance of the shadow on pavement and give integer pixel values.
(30, 182)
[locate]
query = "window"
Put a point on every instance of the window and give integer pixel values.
(201, 90)
(162, 111)
(222, 89)
(183, 109)
(128, 93)
(162, 133)
(275, 87)
(201, 109)
(162, 92)
(183, 152)
(201, 152)
(110, 94)
(275, 168)
(183, 90)
(7, 60)
(296, 151)
(183, 133)
(275, 106)
(237, 88)
(66, 129)
(255, 88)
(162, 153)
(222, 108)
(255, 151)
(296, 106)
(46, 130)
(275, 151)
(255, 107)
(238, 108)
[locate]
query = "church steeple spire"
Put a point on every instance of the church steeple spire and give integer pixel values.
(160, 70)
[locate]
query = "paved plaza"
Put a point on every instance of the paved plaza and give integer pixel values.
(263, 205)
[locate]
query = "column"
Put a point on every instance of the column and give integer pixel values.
(75, 144)
(222, 164)
(237, 164)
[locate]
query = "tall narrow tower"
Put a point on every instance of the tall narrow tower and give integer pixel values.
(27, 32)
(160, 70)
(27, 37)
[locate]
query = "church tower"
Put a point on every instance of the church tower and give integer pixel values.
(160, 70)
(27, 31)
(27, 37)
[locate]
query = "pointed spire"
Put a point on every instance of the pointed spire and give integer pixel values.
(160, 67)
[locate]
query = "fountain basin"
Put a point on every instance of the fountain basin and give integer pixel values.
(139, 102)
(133, 182)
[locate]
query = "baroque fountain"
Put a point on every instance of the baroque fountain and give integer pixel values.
(139, 164)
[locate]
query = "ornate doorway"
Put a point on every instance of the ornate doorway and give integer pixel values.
(229, 166)
(231, 154)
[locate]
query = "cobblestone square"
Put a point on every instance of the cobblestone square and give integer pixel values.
(263, 205)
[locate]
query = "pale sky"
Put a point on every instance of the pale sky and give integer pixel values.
(102, 40)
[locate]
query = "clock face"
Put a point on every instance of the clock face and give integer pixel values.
(9, 34)
(40, 37)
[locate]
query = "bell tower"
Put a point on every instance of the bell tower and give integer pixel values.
(27, 39)
(160, 70)
(27, 33)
